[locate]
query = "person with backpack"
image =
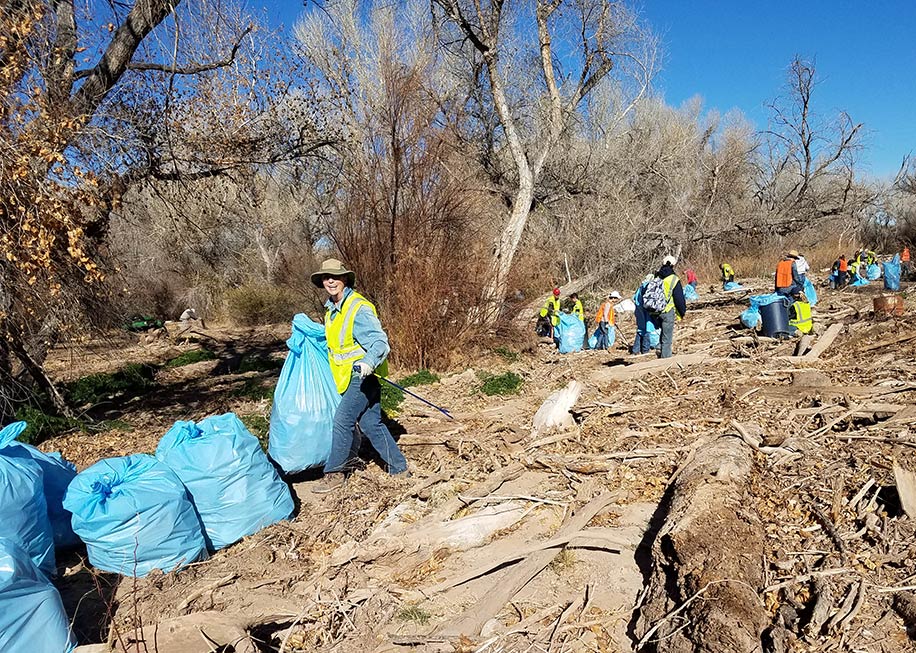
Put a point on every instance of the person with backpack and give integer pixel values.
(642, 342)
(357, 351)
(663, 299)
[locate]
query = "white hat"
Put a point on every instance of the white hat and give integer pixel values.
(669, 260)
(614, 295)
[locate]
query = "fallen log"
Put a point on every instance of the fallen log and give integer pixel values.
(708, 547)
(636, 370)
(823, 342)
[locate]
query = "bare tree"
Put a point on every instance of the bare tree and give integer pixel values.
(594, 37)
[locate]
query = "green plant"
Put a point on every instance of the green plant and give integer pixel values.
(391, 399)
(42, 425)
(501, 384)
(190, 357)
(422, 377)
(507, 354)
(133, 378)
(258, 425)
(254, 389)
(254, 304)
(111, 425)
(415, 614)
(258, 363)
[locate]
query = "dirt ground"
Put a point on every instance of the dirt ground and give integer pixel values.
(483, 548)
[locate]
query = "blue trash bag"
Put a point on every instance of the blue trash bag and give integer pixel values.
(235, 489)
(859, 281)
(729, 286)
(32, 616)
(892, 273)
(690, 293)
(750, 317)
(655, 335)
(302, 418)
(873, 272)
(593, 341)
(24, 509)
(810, 292)
(570, 333)
(134, 515)
(56, 476)
(611, 336)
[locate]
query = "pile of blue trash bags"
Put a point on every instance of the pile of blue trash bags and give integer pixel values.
(209, 485)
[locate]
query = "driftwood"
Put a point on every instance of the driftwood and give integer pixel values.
(473, 619)
(636, 370)
(704, 548)
(823, 342)
(906, 489)
(888, 342)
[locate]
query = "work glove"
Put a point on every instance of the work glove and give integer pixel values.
(362, 370)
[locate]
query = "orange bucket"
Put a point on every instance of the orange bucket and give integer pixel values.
(888, 305)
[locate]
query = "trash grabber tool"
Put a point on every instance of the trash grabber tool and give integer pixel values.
(416, 396)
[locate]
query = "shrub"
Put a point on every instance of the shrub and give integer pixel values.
(391, 399)
(422, 377)
(190, 357)
(42, 425)
(254, 304)
(502, 384)
(507, 354)
(133, 378)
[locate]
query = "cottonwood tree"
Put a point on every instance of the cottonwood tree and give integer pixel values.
(58, 76)
(577, 45)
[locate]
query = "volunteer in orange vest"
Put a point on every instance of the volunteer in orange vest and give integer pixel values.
(905, 262)
(357, 351)
(788, 281)
(604, 318)
(842, 271)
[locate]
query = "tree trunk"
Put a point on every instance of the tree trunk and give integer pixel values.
(36, 371)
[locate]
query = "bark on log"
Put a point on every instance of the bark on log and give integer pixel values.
(706, 560)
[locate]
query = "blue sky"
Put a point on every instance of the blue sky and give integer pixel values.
(735, 56)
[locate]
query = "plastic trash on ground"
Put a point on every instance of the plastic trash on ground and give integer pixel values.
(731, 286)
(690, 293)
(23, 509)
(892, 273)
(32, 617)
(570, 333)
(302, 418)
(554, 412)
(235, 489)
(859, 281)
(134, 515)
(56, 476)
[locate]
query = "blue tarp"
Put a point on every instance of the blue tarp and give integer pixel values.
(873, 272)
(235, 489)
(810, 292)
(892, 273)
(134, 515)
(302, 419)
(32, 617)
(730, 286)
(690, 293)
(23, 509)
(56, 476)
(570, 333)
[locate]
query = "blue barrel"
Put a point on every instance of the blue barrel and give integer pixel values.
(775, 319)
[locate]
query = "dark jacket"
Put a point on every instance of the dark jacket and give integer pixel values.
(680, 304)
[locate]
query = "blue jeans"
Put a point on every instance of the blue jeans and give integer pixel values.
(665, 323)
(361, 403)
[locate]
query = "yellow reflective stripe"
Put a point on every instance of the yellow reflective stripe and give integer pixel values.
(668, 287)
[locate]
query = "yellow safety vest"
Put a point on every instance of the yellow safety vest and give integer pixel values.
(343, 350)
(668, 285)
(552, 306)
(727, 272)
(802, 320)
(578, 310)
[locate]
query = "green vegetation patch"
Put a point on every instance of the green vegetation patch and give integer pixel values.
(507, 354)
(255, 389)
(191, 357)
(42, 426)
(392, 398)
(415, 614)
(501, 384)
(258, 363)
(134, 379)
(422, 377)
(259, 427)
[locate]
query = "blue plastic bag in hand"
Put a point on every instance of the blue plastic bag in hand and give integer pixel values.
(570, 333)
(892, 273)
(302, 419)
(134, 515)
(56, 476)
(810, 292)
(23, 509)
(233, 485)
(32, 617)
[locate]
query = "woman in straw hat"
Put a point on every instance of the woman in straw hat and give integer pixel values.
(357, 351)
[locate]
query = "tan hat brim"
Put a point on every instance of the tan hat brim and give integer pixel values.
(316, 277)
